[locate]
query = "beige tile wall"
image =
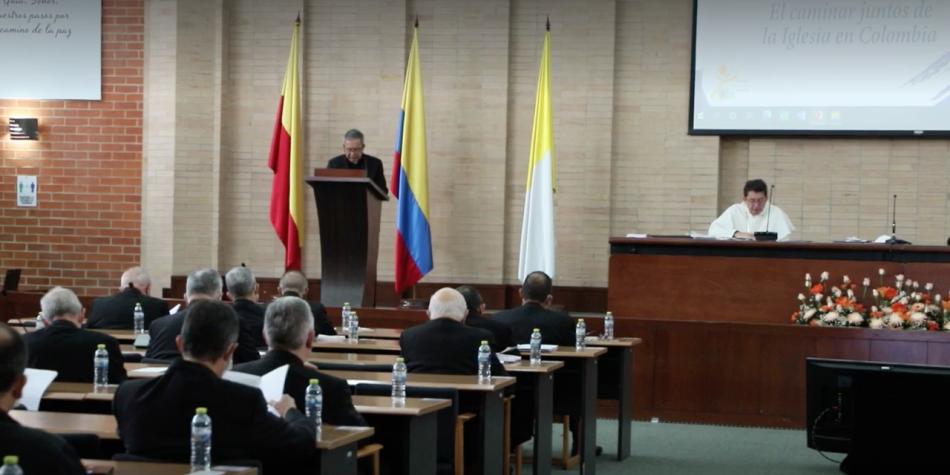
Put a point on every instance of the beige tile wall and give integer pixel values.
(620, 81)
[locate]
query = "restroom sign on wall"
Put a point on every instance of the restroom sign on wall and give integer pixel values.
(26, 191)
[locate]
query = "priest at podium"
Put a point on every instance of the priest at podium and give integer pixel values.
(753, 214)
(354, 159)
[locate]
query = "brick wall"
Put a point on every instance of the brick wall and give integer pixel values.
(86, 229)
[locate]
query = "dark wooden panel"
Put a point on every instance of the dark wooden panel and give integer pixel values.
(898, 351)
(643, 362)
(843, 348)
(783, 376)
(938, 353)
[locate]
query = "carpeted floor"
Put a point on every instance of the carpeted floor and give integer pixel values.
(667, 449)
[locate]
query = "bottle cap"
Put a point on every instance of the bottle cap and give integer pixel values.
(314, 381)
(201, 411)
(400, 359)
(537, 330)
(610, 313)
(580, 320)
(11, 460)
(484, 342)
(138, 305)
(101, 346)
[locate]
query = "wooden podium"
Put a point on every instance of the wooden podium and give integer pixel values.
(348, 207)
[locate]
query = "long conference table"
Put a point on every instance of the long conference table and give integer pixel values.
(714, 318)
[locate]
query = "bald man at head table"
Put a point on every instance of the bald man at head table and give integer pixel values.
(353, 158)
(754, 214)
(38, 451)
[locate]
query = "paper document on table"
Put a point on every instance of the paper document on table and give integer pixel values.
(141, 341)
(148, 371)
(174, 309)
(636, 235)
(331, 338)
(37, 380)
(544, 348)
(505, 359)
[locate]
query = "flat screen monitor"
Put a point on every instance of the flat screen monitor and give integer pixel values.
(859, 407)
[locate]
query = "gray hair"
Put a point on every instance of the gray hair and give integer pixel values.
(293, 281)
(203, 282)
(240, 281)
(353, 134)
(447, 303)
(287, 322)
(60, 301)
(135, 276)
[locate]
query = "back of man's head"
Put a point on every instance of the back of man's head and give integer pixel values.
(473, 299)
(12, 357)
(293, 281)
(757, 185)
(203, 283)
(536, 287)
(241, 282)
(287, 323)
(60, 302)
(135, 277)
(209, 329)
(447, 303)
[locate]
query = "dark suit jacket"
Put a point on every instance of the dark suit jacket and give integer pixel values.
(372, 165)
(68, 349)
(337, 404)
(154, 421)
(321, 321)
(501, 332)
(39, 452)
(162, 333)
(251, 336)
(445, 346)
(116, 310)
(556, 328)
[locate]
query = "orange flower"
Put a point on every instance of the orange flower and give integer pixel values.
(887, 292)
(795, 317)
(826, 308)
(899, 308)
(946, 305)
(817, 289)
(843, 301)
(877, 314)
(859, 308)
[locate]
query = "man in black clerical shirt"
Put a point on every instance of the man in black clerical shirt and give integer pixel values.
(116, 311)
(353, 158)
(501, 332)
(38, 451)
(294, 284)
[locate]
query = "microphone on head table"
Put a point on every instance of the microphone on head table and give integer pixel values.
(894, 239)
(767, 235)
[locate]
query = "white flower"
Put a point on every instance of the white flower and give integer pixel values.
(899, 284)
(808, 277)
(866, 282)
(801, 297)
(894, 321)
(838, 308)
(905, 301)
(875, 294)
(850, 294)
(846, 279)
(929, 286)
(824, 276)
(900, 277)
(937, 298)
(836, 292)
(809, 314)
(916, 284)
(855, 318)
(917, 318)
(880, 271)
(830, 317)
(818, 299)
(876, 323)
(946, 326)
(873, 308)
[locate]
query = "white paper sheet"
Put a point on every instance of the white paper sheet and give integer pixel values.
(150, 371)
(141, 341)
(174, 309)
(37, 380)
(505, 359)
(331, 338)
(272, 384)
(544, 348)
(243, 378)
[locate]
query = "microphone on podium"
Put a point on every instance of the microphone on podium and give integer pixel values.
(767, 235)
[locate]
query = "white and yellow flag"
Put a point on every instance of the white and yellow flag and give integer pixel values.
(537, 228)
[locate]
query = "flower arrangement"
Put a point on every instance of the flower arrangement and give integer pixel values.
(904, 305)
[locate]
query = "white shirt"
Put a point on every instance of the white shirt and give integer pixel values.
(737, 218)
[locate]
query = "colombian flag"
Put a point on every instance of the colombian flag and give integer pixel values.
(286, 198)
(537, 227)
(410, 180)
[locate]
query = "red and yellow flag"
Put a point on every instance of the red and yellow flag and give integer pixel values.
(286, 199)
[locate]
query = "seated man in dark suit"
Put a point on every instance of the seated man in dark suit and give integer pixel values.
(288, 328)
(294, 284)
(202, 284)
(556, 329)
(154, 415)
(116, 311)
(64, 346)
(501, 333)
(242, 288)
(444, 345)
(38, 451)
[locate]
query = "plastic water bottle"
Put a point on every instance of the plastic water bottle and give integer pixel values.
(484, 361)
(579, 334)
(11, 466)
(138, 319)
(353, 331)
(100, 367)
(399, 380)
(201, 440)
(609, 326)
(40, 323)
(345, 317)
(536, 347)
(314, 403)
